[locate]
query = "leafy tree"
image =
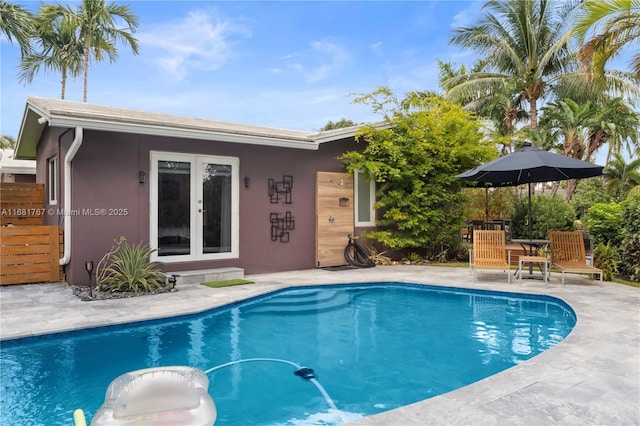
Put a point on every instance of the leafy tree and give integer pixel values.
(604, 222)
(97, 23)
(614, 26)
(630, 249)
(548, 213)
(16, 23)
(342, 123)
(414, 163)
(588, 193)
(58, 48)
(489, 203)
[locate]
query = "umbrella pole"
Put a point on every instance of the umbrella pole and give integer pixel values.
(486, 204)
(530, 216)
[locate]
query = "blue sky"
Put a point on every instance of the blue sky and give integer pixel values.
(281, 64)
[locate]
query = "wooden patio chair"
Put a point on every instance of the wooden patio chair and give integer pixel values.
(490, 252)
(568, 254)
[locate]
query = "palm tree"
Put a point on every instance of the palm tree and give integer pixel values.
(7, 142)
(615, 25)
(570, 118)
(613, 122)
(622, 177)
(502, 105)
(16, 23)
(97, 24)
(525, 42)
(527, 46)
(58, 47)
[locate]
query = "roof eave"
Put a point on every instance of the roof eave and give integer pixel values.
(30, 132)
(346, 132)
(179, 132)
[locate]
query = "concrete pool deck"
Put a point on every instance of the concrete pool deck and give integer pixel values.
(590, 378)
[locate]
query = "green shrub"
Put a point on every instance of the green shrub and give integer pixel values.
(604, 223)
(630, 248)
(630, 258)
(413, 257)
(604, 257)
(588, 193)
(548, 213)
(128, 269)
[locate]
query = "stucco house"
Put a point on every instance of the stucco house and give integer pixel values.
(205, 194)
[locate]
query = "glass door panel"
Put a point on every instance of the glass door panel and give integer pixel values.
(174, 206)
(215, 208)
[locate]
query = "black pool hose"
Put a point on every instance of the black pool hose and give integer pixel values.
(355, 256)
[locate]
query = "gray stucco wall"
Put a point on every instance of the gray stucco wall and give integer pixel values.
(105, 176)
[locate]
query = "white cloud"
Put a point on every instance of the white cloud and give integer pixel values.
(376, 48)
(331, 56)
(202, 40)
(467, 17)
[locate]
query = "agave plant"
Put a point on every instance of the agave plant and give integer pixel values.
(128, 269)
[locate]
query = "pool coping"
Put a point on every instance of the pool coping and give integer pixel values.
(591, 377)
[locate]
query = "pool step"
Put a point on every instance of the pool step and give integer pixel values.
(301, 302)
(206, 275)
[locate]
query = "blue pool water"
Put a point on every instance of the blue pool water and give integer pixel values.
(374, 347)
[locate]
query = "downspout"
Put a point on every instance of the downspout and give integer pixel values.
(73, 149)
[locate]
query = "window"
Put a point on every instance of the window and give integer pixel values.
(365, 197)
(194, 207)
(52, 180)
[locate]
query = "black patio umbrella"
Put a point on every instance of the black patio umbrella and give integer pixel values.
(530, 165)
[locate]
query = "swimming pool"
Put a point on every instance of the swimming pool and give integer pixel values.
(374, 347)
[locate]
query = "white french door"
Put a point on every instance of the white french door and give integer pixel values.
(194, 207)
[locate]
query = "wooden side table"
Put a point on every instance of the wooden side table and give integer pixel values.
(531, 260)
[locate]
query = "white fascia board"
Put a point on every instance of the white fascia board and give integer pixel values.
(146, 129)
(18, 169)
(347, 132)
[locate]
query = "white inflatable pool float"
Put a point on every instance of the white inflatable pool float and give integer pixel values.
(158, 396)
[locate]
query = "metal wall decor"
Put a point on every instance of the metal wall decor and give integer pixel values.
(281, 191)
(280, 226)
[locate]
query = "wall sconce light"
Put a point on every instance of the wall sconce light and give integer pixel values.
(142, 177)
(247, 181)
(88, 266)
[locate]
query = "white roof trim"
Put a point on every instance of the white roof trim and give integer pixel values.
(180, 132)
(346, 132)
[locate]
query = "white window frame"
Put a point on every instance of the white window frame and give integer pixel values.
(52, 180)
(195, 219)
(372, 200)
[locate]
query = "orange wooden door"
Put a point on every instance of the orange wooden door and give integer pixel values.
(334, 217)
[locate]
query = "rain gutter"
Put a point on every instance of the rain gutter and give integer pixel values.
(73, 149)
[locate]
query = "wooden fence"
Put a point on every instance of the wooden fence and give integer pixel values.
(29, 251)
(29, 254)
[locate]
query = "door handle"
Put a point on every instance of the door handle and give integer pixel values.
(331, 219)
(201, 211)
